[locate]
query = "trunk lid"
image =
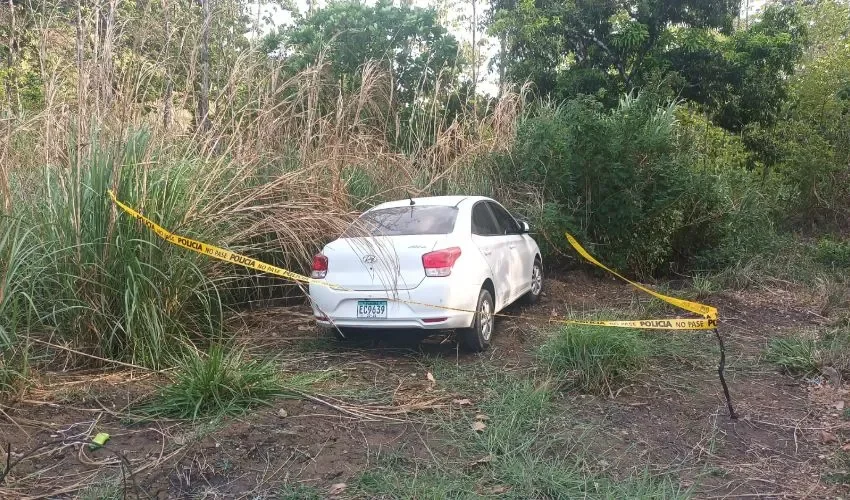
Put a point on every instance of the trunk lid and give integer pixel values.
(379, 262)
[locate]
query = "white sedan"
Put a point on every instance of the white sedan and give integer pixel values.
(445, 262)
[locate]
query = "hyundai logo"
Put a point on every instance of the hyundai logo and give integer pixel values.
(370, 259)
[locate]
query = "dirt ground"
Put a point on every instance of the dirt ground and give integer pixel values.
(377, 398)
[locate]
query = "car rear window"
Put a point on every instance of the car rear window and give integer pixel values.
(403, 221)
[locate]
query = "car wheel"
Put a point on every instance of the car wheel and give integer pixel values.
(477, 338)
(533, 295)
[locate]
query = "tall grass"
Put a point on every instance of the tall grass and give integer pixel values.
(288, 162)
(18, 250)
(218, 383)
(596, 358)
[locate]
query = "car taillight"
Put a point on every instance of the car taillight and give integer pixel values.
(440, 262)
(320, 266)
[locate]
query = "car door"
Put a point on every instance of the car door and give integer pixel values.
(519, 260)
(489, 238)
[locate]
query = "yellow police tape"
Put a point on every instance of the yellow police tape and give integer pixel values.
(707, 322)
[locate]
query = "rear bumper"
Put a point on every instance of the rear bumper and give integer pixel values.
(339, 308)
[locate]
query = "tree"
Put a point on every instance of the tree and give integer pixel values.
(568, 47)
(812, 136)
(409, 41)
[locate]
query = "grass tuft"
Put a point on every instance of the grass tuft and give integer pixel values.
(596, 358)
(219, 383)
(796, 355)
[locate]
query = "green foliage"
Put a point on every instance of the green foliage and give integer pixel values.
(105, 489)
(408, 41)
(109, 282)
(220, 382)
(833, 253)
(646, 189)
(18, 254)
(390, 477)
(595, 358)
(796, 354)
(812, 142)
(14, 370)
(809, 353)
(568, 47)
(363, 189)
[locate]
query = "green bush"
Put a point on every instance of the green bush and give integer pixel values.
(796, 355)
(645, 188)
(221, 382)
(833, 253)
(596, 358)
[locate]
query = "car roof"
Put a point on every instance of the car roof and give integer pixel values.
(446, 201)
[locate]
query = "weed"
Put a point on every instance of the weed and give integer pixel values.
(703, 286)
(831, 293)
(394, 476)
(835, 349)
(221, 382)
(832, 253)
(840, 465)
(107, 489)
(14, 370)
(796, 355)
(595, 358)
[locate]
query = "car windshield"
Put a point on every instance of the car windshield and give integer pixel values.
(403, 221)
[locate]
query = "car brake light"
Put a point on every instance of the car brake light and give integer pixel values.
(440, 262)
(434, 320)
(320, 266)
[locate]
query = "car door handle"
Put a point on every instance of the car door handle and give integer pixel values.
(486, 252)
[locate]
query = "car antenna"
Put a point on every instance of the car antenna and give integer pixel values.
(411, 200)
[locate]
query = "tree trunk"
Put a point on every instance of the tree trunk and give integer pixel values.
(204, 91)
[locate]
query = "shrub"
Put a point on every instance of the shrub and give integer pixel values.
(222, 382)
(596, 358)
(797, 355)
(833, 253)
(636, 182)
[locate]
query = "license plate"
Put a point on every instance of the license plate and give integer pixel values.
(371, 309)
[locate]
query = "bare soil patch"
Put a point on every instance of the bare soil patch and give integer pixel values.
(377, 400)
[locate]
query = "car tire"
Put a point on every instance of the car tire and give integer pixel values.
(533, 295)
(477, 338)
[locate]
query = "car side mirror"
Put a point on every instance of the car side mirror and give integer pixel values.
(525, 227)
